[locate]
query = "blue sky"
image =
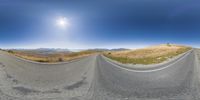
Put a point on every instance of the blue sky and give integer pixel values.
(98, 23)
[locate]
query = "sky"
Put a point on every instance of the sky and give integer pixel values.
(82, 24)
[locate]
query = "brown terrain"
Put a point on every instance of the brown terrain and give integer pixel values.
(150, 55)
(34, 55)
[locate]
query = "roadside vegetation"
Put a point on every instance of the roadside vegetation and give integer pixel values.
(50, 58)
(150, 55)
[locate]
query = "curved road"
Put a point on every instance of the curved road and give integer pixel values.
(97, 78)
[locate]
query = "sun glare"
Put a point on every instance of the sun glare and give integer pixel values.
(63, 22)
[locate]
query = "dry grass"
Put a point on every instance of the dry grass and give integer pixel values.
(150, 55)
(51, 58)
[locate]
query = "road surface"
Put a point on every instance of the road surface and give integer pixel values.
(98, 78)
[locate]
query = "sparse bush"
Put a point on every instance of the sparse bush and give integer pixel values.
(42, 61)
(10, 51)
(168, 44)
(60, 59)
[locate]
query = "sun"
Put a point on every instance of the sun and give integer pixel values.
(62, 22)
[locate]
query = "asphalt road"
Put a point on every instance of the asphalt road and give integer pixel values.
(97, 78)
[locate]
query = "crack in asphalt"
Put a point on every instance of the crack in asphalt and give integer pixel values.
(1, 64)
(77, 84)
(8, 75)
(53, 91)
(25, 90)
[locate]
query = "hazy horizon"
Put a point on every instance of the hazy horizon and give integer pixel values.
(78, 49)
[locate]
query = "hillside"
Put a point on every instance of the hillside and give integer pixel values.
(150, 55)
(50, 55)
